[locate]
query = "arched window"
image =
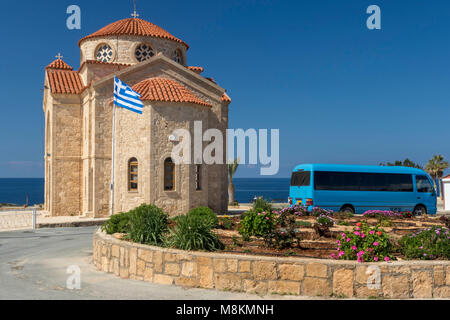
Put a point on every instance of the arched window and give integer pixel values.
(133, 174)
(169, 175)
(198, 177)
(143, 52)
(177, 56)
(104, 53)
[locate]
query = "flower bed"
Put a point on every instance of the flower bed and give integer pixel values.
(271, 275)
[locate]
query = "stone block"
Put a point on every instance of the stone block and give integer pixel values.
(220, 265)
(205, 276)
(148, 273)
(294, 272)
(395, 287)
(203, 261)
(186, 282)
(442, 292)
(172, 269)
(263, 270)
(316, 270)
(244, 266)
(189, 269)
(162, 279)
(343, 282)
(227, 281)
(157, 261)
(258, 287)
(146, 255)
(422, 284)
(316, 287)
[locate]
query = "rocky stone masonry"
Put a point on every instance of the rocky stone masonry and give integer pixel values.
(270, 275)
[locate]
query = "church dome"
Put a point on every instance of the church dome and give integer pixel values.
(133, 27)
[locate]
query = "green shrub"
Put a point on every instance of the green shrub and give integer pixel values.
(428, 244)
(365, 244)
(148, 223)
(285, 233)
(256, 222)
(118, 223)
(193, 232)
(262, 204)
(205, 213)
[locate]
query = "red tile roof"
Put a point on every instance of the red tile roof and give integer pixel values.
(135, 27)
(59, 64)
(65, 81)
(161, 89)
(226, 98)
(196, 69)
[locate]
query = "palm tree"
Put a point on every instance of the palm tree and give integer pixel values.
(436, 166)
(232, 167)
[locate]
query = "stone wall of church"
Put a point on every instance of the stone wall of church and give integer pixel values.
(124, 47)
(66, 160)
(101, 162)
(165, 119)
(132, 141)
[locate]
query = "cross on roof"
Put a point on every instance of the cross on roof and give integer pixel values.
(134, 14)
(59, 56)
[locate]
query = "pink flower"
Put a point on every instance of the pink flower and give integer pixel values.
(341, 253)
(371, 232)
(343, 235)
(375, 258)
(386, 259)
(376, 243)
(333, 256)
(348, 239)
(363, 235)
(359, 254)
(282, 232)
(358, 228)
(356, 233)
(267, 218)
(354, 248)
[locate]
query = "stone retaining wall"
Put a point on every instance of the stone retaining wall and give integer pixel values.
(271, 275)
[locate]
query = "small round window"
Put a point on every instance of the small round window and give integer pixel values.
(104, 53)
(177, 57)
(143, 52)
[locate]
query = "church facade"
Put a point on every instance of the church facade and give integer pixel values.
(78, 107)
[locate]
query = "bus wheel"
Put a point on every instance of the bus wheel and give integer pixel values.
(419, 210)
(347, 208)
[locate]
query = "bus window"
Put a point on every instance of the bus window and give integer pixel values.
(423, 184)
(301, 178)
(329, 180)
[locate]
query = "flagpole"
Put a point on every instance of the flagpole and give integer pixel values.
(112, 159)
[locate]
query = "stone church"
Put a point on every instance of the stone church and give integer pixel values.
(78, 107)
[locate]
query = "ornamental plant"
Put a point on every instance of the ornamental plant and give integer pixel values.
(205, 213)
(364, 244)
(148, 224)
(256, 222)
(285, 233)
(429, 244)
(193, 232)
(316, 212)
(118, 223)
(297, 210)
(325, 221)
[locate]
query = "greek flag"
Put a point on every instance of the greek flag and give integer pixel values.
(126, 98)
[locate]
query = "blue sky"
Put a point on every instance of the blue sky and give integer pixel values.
(338, 92)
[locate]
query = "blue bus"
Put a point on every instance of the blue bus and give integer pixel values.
(361, 188)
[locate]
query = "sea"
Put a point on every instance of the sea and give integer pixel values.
(19, 191)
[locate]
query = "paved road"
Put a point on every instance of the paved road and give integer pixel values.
(33, 265)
